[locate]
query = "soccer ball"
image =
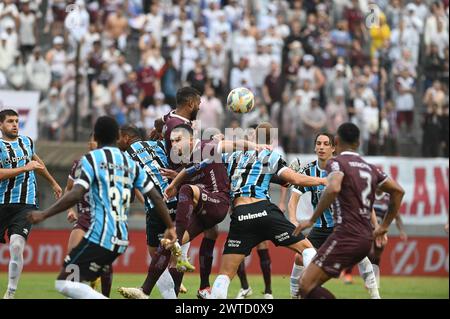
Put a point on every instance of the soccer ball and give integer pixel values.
(240, 100)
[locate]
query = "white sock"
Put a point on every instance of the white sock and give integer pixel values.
(308, 255)
(184, 250)
(376, 271)
(16, 247)
(367, 273)
(295, 276)
(220, 287)
(77, 290)
(166, 285)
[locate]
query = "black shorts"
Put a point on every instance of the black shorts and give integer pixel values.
(87, 261)
(13, 218)
(155, 227)
(317, 236)
(255, 223)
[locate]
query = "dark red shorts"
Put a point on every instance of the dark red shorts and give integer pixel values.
(83, 222)
(340, 251)
(212, 208)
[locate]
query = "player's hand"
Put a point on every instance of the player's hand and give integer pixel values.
(302, 226)
(381, 241)
(32, 165)
(170, 192)
(169, 173)
(170, 237)
(262, 147)
(294, 221)
(72, 216)
(35, 217)
(57, 190)
(403, 236)
(324, 181)
(380, 231)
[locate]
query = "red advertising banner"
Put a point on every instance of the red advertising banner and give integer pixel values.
(419, 256)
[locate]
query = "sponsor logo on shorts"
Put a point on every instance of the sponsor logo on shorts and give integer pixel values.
(252, 216)
(319, 261)
(233, 243)
(94, 267)
(204, 197)
(282, 237)
(25, 231)
(67, 259)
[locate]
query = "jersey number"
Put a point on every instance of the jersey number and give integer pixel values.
(366, 192)
(120, 203)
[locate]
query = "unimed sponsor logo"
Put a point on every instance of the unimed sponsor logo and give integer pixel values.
(252, 216)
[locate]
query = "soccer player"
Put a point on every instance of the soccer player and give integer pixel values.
(82, 220)
(381, 207)
(187, 106)
(151, 156)
(18, 191)
(352, 183)
(109, 176)
(254, 218)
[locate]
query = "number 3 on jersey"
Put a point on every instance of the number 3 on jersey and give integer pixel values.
(119, 203)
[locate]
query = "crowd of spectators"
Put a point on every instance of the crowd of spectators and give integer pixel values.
(312, 64)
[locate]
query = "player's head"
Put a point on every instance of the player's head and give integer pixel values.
(188, 100)
(106, 131)
(324, 146)
(128, 135)
(92, 144)
(182, 139)
(347, 137)
(264, 133)
(9, 124)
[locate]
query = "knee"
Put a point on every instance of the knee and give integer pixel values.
(298, 260)
(212, 233)
(186, 193)
(305, 285)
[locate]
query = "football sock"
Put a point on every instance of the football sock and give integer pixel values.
(206, 259)
(16, 248)
(157, 266)
(77, 290)
(319, 293)
(376, 270)
(220, 287)
(242, 275)
(177, 277)
(308, 255)
(264, 261)
(368, 275)
(185, 208)
(295, 277)
(106, 280)
(184, 250)
(166, 285)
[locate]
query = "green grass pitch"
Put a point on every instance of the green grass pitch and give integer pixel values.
(41, 286)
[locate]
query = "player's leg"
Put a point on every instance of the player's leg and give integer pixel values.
(228, 268)
(18, 231)
(265, 263)
(106, 280)
(311, 281)
(368, 275)
(375, 258)
(296, 272)
(76, 235)
(206, 254)
(246, 290)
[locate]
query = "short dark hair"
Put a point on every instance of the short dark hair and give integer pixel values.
(186, 127)
(131, 130)
(329, 135)
(106, 130)
(348, 133)
(186, 94)
(7, 112)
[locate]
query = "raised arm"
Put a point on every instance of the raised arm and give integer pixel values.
(291, 177)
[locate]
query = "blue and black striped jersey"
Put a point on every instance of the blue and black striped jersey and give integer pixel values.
(151, 156)
(313, 169)
(110, 176)
(250, 172)
(20, 189)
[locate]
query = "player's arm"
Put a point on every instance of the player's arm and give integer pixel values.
(292, 207)
(291, 177)
(283, 196)
(72, 214)
(68, 200)
(329, 195)
(171, 190)
(400, 227)
(373, 219)
(139, 196)
(396, 191)
(7, 173)
(46, 174)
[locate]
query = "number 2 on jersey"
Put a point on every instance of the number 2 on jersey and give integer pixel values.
(366, 192)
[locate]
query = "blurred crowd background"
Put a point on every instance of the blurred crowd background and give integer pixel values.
(312, 65)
